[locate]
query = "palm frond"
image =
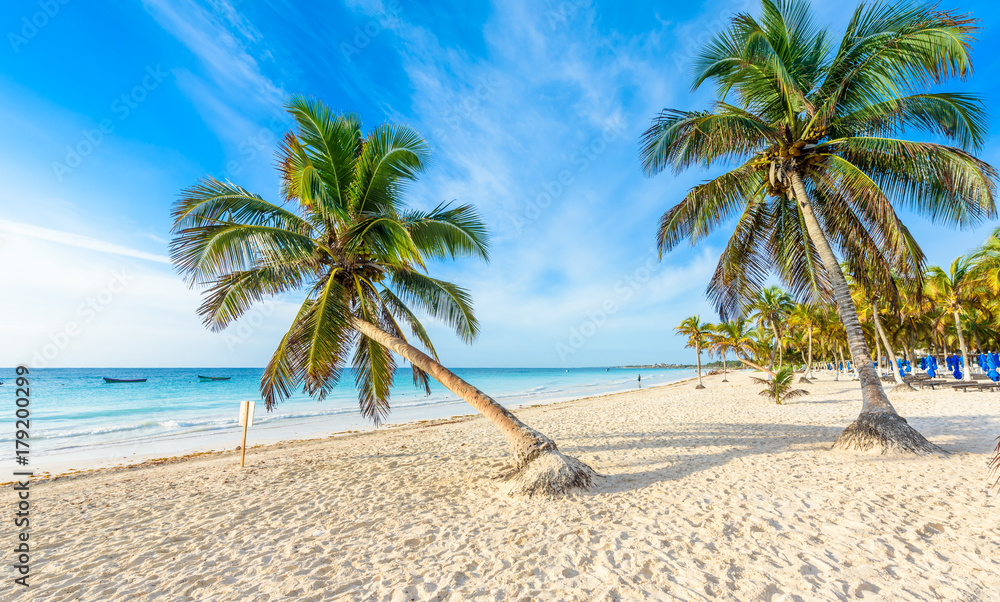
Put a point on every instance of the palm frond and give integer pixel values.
(679, 139)
(331, 142)
(448, 231)
(233, 293)
(203, 254)
(392, 156)
(708, 205)
(440, 299)
(944, 184)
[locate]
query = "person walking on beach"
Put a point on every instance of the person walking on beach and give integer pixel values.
(640, 381)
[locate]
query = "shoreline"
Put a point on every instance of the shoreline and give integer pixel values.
(61, 469)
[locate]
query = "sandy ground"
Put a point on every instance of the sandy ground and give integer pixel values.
(713, 494)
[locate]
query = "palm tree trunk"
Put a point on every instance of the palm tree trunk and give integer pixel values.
(889, 351)
(725, 369)
(538, 466)
(878, 357)
(979, 348)
(774, 350)
(913, 351)
(778, 345)
(967, 373)
(842, 367)
(697, 348)
(809, 367)
(878, 426)
(755, 366)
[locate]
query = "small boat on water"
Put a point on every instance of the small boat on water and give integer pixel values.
(124, 380)
(206, 379)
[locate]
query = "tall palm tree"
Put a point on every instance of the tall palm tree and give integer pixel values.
(956, 290)
(345, 237)
(816, 128)
(697, 333)
(771, 307)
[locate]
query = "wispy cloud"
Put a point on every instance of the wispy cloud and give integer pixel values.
(219, 39)
(78, 240)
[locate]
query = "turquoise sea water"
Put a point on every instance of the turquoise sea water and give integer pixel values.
(74, 411)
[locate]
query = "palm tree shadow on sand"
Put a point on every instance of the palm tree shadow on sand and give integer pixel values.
(672, 455)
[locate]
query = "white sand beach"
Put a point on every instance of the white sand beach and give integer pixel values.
(713, 494)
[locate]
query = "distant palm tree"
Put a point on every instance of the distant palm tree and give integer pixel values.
(913, 315)
(804, 318)
(988, 262)
(868, 306)
(779, 388)
(349, 241)
(831, 331)
(823, 167)
(771, 307)
(734, 336)
(761, 346)
(723, 341)
(956, 290)
(697, 333)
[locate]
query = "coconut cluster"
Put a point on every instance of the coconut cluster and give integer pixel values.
(797, 151)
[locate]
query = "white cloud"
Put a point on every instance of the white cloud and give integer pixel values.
(90, 303)
(78, 240)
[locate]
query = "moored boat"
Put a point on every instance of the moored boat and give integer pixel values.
(212, 378)
(124, 380)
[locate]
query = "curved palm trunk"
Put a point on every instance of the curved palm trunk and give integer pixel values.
(878, 426)
(755, 366)
(967, 373)
(888, 351)
(697, 348)
(538, 466)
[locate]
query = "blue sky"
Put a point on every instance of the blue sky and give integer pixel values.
(532, 109)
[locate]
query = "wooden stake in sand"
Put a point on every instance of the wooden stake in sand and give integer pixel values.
(246, 420)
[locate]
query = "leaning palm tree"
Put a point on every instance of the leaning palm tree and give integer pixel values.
(697, 333)
(345, 237)
(956, 290)
(735, 336)
(779, 387)
(815, 127)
